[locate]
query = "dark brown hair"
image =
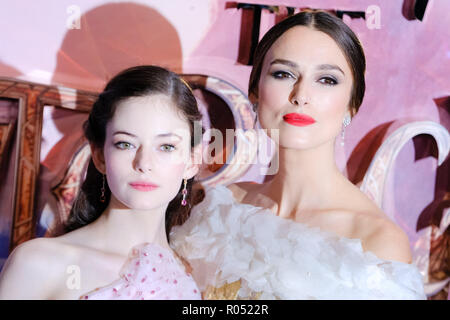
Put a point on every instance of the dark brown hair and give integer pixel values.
(332, 26)
(133, 82)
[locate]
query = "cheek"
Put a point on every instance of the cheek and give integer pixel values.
(272, 100)
(333, 104)
(171, 170)
(116, 161)
(172, 175)
(272, 94)
(116, 170)
(330, 112)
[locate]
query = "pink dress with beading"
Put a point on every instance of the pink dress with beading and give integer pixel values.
(150, 273)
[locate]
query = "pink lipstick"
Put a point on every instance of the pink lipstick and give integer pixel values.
(297, 119)
(143, 186)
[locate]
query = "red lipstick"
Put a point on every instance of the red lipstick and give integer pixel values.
(143, 186)
(297, 119)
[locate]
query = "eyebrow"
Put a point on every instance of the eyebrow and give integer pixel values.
(319, 67)
(124, 132)
(285, 62)
(164, 135)
(161, 135)
(330, 67)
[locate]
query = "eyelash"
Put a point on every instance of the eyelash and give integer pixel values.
(171, 146)
(280, 75)
(334, 82)
(120, 145)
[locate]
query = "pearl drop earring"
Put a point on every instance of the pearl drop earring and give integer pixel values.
(345, 123)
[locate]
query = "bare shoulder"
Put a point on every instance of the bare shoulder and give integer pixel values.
(29, 272)
(385, 239)
(378, 233)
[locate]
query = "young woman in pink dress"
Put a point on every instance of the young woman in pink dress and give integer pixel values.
(137, 186)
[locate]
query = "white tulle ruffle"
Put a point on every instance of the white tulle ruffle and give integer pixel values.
(225, 241)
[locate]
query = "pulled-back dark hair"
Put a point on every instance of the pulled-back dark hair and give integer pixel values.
(133, 82)
(332, 26)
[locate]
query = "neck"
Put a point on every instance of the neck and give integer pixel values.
(306, 180)
(121, 228)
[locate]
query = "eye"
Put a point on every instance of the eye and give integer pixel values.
(328, 81)
(123, 145)
(167, 147)
(281, 75)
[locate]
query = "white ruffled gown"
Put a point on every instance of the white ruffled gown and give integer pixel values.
(225, 241)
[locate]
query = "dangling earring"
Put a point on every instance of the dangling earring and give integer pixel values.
(102, 197)
(345, 123)
(184, 193)
(255, 110)
(255, 106)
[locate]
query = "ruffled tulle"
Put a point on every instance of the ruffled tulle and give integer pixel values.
(225, 241)
(150, 273)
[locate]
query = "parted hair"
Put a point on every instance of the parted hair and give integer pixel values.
(334, 27)
(133, 82)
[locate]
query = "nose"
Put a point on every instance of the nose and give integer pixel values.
(299, 96)
(142, 161)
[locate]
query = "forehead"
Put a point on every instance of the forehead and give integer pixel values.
(148, 115)
(307, 47)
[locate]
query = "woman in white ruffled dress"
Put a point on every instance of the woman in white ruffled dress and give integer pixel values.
(309, 233)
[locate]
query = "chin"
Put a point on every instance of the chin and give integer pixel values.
(296, 140)
(148, 203)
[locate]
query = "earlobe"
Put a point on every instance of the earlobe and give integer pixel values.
(194, 163)
(191, 171)
(98, 159)
(348, 116)
(350, 112)
(253, 99)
